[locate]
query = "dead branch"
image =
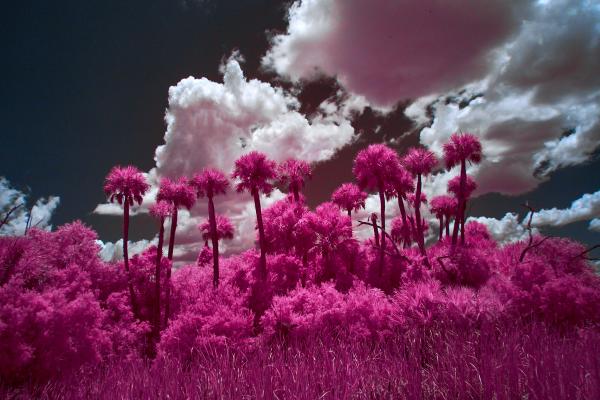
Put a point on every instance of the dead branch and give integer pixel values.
(7, 216)
(583, 253)
(530, 245)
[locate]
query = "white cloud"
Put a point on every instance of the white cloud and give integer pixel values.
(594, 225)
(585, 208)
(39, 215)
(213, 124)
(505, 230)
(389, 50)
(113, 252)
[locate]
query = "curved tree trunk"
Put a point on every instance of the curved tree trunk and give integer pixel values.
(215, 240)
(170, 257)
(159, 253)
(134, 306)
(382, 249)
(261, 236)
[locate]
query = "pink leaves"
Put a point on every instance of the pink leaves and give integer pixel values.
(462, 147)
(419, 161)
(375, 166)
(255, 172)
(125, 183)
(210, 182)
(224, 228)
(161, 209)
(294, 173)
(454, 187)
(177, 192)
(349, 197)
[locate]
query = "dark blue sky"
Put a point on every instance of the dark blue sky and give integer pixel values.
(84, 87)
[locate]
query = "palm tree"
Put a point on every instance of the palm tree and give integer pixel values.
(223, 229)
(178, 193)
(419, 162)
(160, 210)
(400, 185)
(126, 185)
(461, 148)
(211, 182)
(349, 197)
(443, 207)
(462, 189)
(373, 168)
(255, 173)
(294, 173)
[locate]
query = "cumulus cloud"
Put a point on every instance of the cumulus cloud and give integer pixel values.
(390, 50)
(594, 225)
(37, 216)
(505, 230)
(212, 124)
(113, 252)
(585, 208)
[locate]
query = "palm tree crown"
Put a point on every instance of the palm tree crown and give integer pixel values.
(462, 147)
(210, 182)
(255, 172)
(125, 183)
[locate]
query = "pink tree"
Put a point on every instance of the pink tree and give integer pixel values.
(126, 185)
(374, 168)
(161, 211)
(177, 193)
(444, 207)
(400, 185)
(349, 197)
(419, 162)
(224, 229)
(462, 188)
(211, 182)
(460, 149)
(255, 173)
(294, 173)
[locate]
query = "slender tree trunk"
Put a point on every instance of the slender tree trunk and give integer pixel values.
(296, 194)
(405, 238)
(459, 208)
(447, 225)
(349, 212)
(215, 240)
(441, 227)
(170, 257)
(462, 222)
(134, 306)
(375, 230)
(420, 239)
(261, 236)
(382, 249)
(159, 253)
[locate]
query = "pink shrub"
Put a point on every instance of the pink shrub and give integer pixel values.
(349, 197)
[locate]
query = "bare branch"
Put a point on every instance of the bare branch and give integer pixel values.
(530, 245)
(585, 252)
(7, 216)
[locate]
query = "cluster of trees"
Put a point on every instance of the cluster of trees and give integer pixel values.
(309, 276)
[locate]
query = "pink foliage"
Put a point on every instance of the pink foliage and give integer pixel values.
(419, 161)
(349, 197)
(462, 147)
(400, 183)
(375, 166)
(294, 174)
(254, 171)
(161, 209)
(210, 182)
(224, 228)
(178, 192)
(454, 187)
(282, 231)
(125, 183)
(443, 205)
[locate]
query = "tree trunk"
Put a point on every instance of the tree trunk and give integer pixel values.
(447, 225)
(459, 208)
(261, 236)
(296, 194)
(405, 238)
(161, 239)
(215, 240)
(382, 249)
(134, 306)
(441, 227)
(420, 239)
(462, 222)
(349, 212)
(170, 257)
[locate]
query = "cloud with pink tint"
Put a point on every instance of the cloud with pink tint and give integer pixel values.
(585, 208)
(508, 229)
(389, 50)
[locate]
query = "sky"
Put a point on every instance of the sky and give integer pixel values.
(174, 86)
